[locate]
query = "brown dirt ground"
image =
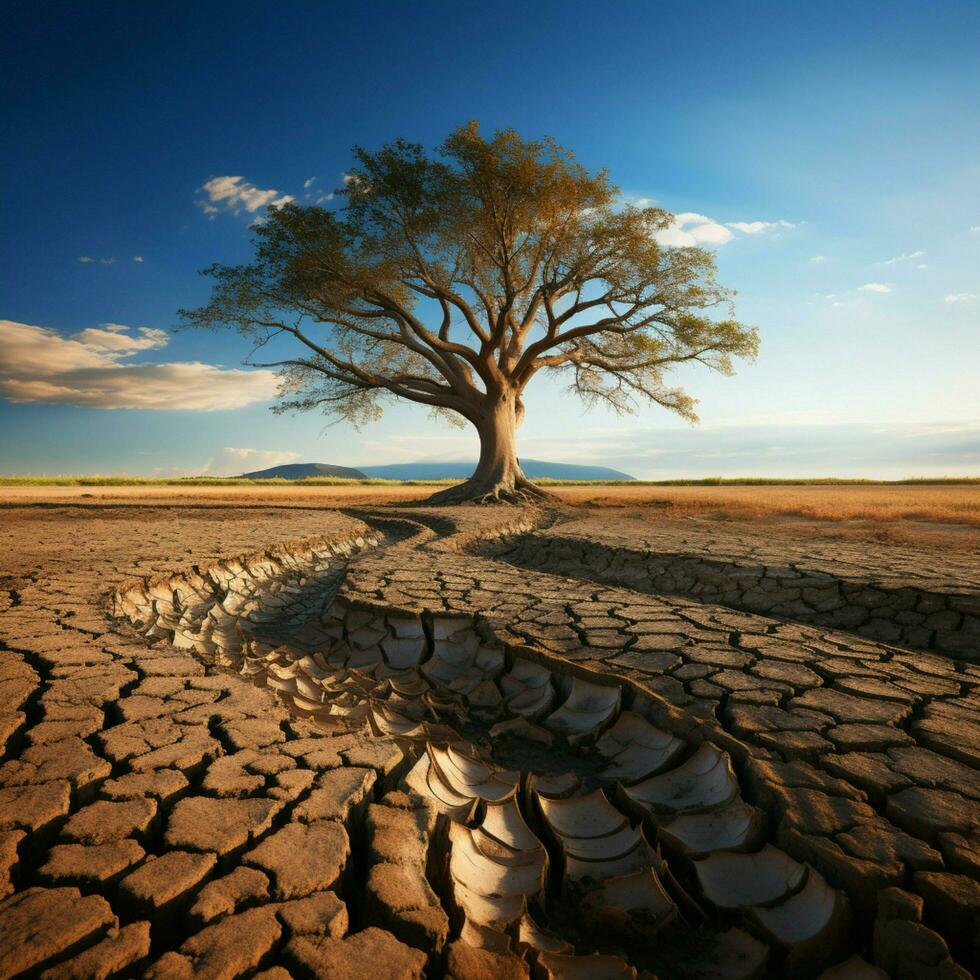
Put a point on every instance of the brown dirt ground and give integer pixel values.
(102, 684)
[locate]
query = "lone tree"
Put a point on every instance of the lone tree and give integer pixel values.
(453, 281)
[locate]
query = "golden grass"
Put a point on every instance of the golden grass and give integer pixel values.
(286, 494)
(939, 504)
(957, 505)
(934, 517)
(210, 481)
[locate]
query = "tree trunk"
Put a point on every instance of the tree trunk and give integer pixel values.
(498, 477)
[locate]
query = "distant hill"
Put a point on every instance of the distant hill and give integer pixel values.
(300, 471)
(534, 469)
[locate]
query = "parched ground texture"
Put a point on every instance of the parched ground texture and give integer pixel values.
(480, 742)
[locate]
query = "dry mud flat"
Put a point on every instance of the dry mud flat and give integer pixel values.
(296, 742)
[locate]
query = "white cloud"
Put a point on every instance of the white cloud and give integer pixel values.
(421, 445)
(236, 194)
(85, 259)
(230, 462)
(959, 297)
(308, 183)
(689, 228)
(256, 459)
(113, 337)
(818, 258)
(875, 287)
(755, 227)
(91, 368)
(137, 258)
(904, 257)
(793, 446)
(354, 181)
(88, 260)
(975, 228)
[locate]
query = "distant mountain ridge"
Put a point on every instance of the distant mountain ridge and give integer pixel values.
(301, 471)
(534, 469)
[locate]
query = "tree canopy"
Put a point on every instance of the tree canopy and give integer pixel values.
(452, 280)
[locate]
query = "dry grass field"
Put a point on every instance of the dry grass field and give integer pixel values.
(948, 504)
(942, 504)
(279, 495)
(945, 516)
(926, 516)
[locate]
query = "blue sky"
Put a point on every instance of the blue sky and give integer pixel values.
(830, 152)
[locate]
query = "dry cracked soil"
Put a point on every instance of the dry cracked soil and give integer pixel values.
(401, 741)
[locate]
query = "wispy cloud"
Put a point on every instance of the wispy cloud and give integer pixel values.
(88, 260)
(883, 450)
(237, 460)
(235, 195)
(314, 195)
(231, 461)
(691, 228)
(137, 258)
(818, 258)
(268, 456)
(93, 368)
(958, 297)
(116, 337)
(796, 448)
(757, 227)
(875, 287)
(904, 257)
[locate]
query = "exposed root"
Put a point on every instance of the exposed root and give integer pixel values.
(520, 491)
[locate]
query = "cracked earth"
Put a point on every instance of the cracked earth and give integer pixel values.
(480, 742)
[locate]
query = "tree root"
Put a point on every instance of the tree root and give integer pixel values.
(521, 491)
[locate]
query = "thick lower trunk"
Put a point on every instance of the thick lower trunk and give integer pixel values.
(498, 449)
(498, 477)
